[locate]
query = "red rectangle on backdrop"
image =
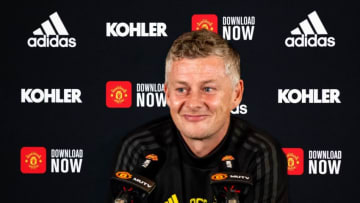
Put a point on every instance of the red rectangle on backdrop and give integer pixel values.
(118, 94)
(33, 160)
(204, 21)
(295, 159)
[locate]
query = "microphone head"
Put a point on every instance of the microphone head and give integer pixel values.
(228, 183)
(140, 182)
(124, 181)
(226, 177)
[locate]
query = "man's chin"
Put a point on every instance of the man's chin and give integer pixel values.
(196, 135)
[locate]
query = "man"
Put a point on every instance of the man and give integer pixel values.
(201, 142)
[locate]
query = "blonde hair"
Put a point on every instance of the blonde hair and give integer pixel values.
(204, 43)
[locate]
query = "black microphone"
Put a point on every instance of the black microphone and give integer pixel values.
(138, 184)
(229, 185)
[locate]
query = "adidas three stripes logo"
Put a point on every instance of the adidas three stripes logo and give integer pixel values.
(311, 32)
(307, 28)
(52, 33)
(48, 28)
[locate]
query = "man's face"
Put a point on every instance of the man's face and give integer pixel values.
(200, 96)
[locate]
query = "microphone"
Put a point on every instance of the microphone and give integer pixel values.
(229, 185)
(139, 183)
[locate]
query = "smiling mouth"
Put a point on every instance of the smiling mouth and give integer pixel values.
(195, 118)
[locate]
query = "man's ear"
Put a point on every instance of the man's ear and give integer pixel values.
(238, 93)
(166, 90)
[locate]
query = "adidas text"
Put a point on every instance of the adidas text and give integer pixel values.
(55, 41)
(310, 41)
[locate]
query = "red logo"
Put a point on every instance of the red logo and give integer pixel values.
(33, 160)
(295, 160)
(206, 21)
(118, 94)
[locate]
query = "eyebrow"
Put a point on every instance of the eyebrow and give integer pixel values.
(208, 81)
(203, 82)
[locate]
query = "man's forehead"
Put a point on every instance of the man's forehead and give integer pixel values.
(207, 65)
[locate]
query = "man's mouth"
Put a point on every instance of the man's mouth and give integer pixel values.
(194, 118)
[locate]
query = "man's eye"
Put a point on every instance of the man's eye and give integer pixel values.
(180, 90)
(208, 89)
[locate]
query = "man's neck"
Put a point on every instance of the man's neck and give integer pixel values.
(202, 147)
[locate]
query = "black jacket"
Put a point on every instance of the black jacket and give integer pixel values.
(183, 177)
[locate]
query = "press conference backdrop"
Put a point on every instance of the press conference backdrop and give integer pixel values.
(80, 75)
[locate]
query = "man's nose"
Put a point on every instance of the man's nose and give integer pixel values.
(194, 100)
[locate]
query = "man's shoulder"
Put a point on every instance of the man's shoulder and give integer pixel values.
(157, 129)
(264, 159)
(255, 137)
(149, 137)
